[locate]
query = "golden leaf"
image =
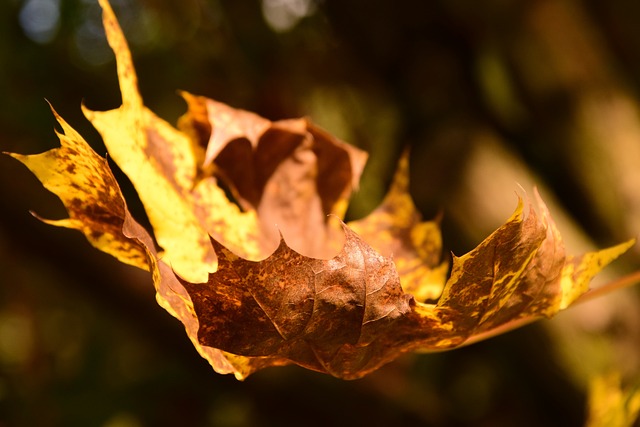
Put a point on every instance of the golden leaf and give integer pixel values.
(273, 279)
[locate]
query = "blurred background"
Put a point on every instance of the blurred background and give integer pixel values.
(492, 97)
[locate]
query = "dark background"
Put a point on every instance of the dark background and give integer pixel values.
(489, 96)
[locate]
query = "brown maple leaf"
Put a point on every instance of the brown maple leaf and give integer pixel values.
(317, 313)
(275, 279)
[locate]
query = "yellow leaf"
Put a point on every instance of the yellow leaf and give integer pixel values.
(160, 162)
(345, 312)
(89, 191)
(610, 405)
(578, 271)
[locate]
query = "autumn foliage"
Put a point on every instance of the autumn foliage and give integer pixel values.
(275, 277)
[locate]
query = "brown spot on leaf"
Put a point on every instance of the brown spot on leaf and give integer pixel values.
(306, 310)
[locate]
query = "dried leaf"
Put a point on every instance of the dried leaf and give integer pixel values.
(395, 229)
(290, 172)
(89, 191)
(276, 280)
(320, 314)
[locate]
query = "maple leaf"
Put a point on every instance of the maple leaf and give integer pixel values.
(83, 181)
(321, 314)
(275, 279)
(395, 229)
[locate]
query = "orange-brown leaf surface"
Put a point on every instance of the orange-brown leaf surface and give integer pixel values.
(274, 277)
(327, 315)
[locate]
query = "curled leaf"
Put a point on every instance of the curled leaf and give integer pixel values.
(326, 315)
(272, 279)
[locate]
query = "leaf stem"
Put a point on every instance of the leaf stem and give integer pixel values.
(620, 283)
